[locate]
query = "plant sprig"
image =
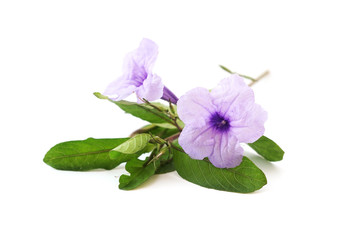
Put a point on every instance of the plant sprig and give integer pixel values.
(159, 140)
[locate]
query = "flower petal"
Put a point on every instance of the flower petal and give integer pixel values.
(232, 97)
(251, 127)
(151, 89)
(195, 107)
(119, 89)
(227, 152)
(140, 61)
(197, 142)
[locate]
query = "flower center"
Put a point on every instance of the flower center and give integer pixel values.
(219, 122)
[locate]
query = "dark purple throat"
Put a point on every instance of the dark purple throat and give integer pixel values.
(219, 122)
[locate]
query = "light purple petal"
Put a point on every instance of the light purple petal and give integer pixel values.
(251, 127)
(151, 89)
(232, 97)
(197, 142)
(140, 61)
(195, 107)
(119, 89)
(227, 152)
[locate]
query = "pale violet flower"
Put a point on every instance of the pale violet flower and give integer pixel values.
(138, 76)
(218, 121)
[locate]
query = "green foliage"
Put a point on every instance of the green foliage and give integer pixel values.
(163, 132)
(166, 163)
(85, 154)
(119, 155)
(134, 144)
(108, 153)
(165, 125)
(159, 162)
(139, 173)
(166, 167)
(245, 178)
(143, 111)
(156, 131)
(268, 149)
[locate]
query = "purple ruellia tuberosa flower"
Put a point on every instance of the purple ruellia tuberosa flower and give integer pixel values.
(138, 77)
(217, 121)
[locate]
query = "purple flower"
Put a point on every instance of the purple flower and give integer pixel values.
(138, 77)
(217, 121)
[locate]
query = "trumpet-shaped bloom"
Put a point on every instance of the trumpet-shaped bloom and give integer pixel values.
(138, 76)
(218, 121)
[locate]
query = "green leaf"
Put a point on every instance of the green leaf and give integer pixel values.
(139, 173)
(165, 125)
(100, 96)
(142, 111)
(134, 144)
(163, 132)
(166, 167)
(119, 155)
(245, 178)
(156, 131)
(268, 149)
(85, 155)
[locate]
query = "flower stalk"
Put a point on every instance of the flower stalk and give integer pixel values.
(173, 117)
(253, 80)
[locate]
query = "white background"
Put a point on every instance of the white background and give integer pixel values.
(55, 54)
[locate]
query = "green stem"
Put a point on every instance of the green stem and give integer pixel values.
(162, 152)
(264, 74)
(173, 137)
(254, 80)
(175, 147)
(244, 76)
(226, 69)
(170, 115)
(156, 139)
